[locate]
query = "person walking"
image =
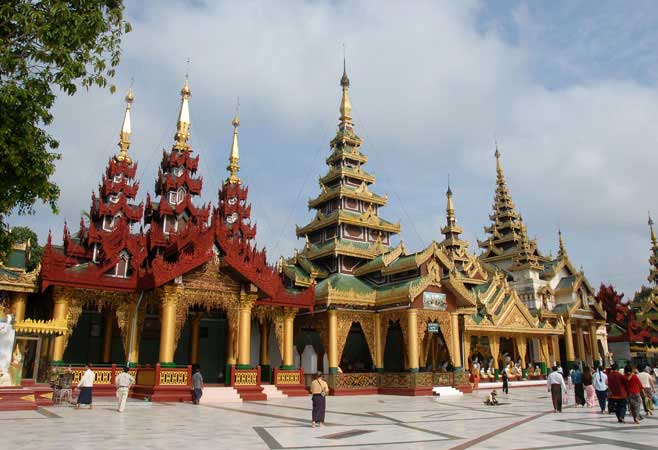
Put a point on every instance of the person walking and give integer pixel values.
(505, 382)
(601, 388)
(556, 386)
(634, 396)
(123, 382)
(85, 388)
(197, 385)
(648, 389)
(319, 391)
(578, 388)
(618, 386)
(589, 388)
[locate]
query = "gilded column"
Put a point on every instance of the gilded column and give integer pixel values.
(244, 331)
(568, 343)
(133, 351)
(412, 339)
(521, 347)
(264, 357)
(18, 305)
(60, 312)
(594, 344)
(455, 352)
(195, 334)
(555, 340)
(333, 338)
(494, 346)
(168, 326)
(379, 344)
(580, 341)
(288, 338)
(108, 325)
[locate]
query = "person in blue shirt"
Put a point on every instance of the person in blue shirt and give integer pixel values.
(579, 389)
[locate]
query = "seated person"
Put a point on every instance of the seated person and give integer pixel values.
(492, 399)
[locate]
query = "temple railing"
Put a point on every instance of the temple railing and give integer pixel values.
(143, 375)
(245, 377)
(288, 377)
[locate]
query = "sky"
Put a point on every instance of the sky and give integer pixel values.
(568, 90)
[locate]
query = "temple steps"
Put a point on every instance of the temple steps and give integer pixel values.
(272, 392)
(446, 391)
(220, 394)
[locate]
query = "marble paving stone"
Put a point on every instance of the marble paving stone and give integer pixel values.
(525, 421)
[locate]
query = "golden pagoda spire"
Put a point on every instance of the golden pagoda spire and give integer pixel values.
(234, 158)
(450, 208)
(345, 104)
(562, 250)
(183, 125)
(654, 241)
(499, 167)
(126, 131)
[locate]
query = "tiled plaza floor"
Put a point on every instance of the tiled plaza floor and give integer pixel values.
(524, 420)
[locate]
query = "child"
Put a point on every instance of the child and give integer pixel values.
(491, 399)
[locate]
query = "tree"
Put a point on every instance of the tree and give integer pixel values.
(46, 46)
(20, 235)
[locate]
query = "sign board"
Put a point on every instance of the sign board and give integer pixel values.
(432, 327)
(435, 301)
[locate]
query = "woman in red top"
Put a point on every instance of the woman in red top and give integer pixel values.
(617, 385)
(634, 388)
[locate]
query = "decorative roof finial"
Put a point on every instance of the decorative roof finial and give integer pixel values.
(499, 166)
(234, 158)
(450, 207)
(562, 250)
(126, 130)
(345, 104)
(654, 241)
(183, 125)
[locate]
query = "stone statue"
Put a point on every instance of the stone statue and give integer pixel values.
(7, 337)
(16, 367)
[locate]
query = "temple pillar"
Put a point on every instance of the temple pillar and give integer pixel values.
(333, 338)
(168, 327)
(60, 312)
(455, 352)
(264, 352)
(545, 355)
(580, 340)
(108, 326)
(555, 341)
(379, 344)
(244, 331)
(133, 351)
(568, 343)
(195, 334)
(18, 305)
(494, 347)
(288, 361)
(594, 344)
(521, 347)
(412, 339)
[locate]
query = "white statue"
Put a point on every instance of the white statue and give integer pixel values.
(7, 338)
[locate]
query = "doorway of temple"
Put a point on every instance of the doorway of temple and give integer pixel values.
(394, 349)
(356, 355)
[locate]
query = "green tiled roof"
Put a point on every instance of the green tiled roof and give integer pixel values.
(17, 259)
(343, 282)
(561, 308)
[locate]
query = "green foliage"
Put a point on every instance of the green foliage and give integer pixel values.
(46, 46)
(22, 234)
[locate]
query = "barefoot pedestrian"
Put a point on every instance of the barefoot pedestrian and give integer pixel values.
(123, 382)
(601, 387)
(634, 389)
(556, 387)
(85, 387)
(197, 385)
(618, 386)
(319, 391)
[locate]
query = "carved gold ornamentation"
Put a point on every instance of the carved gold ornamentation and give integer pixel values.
(173, 377)
(246, 378)
(356, 380)
(284, 377)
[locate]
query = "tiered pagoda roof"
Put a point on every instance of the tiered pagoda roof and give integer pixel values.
(107, 252)
(507, 234)
(347, 230)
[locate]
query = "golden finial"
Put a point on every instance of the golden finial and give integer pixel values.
(345, 104)
(499, 166)
(562, 250)
(654, 241)
(183, 125)
(234, 158)
(450, 207)
(126, 130)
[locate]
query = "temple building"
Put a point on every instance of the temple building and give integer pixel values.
(552, 289)
(633, 326)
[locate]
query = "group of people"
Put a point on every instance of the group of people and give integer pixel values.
(616, 389)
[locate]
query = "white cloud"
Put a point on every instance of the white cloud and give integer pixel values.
(430, 94)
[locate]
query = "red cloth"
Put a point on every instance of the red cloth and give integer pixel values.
(618, 385)
(634, 385)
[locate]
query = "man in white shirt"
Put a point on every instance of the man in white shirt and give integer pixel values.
(649, 389)
(556, 386)
(601, 387)
(123, 382)
(85, 386)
